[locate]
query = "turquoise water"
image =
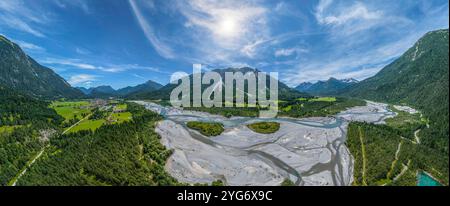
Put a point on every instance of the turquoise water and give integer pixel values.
(426, 180)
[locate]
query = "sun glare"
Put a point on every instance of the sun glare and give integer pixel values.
(228, 27)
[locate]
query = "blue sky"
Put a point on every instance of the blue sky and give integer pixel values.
(126, 42)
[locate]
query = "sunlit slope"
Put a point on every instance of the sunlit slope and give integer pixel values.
(418, 78)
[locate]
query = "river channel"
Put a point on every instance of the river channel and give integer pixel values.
(308, 151)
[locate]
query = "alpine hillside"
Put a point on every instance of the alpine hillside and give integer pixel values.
(20, 72)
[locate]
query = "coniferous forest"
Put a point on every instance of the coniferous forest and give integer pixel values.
(121, 154)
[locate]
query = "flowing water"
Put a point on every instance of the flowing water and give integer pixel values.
(311, 148)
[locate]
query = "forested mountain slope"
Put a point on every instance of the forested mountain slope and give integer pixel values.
(20, 72)
(419, 78)
(328, 87)
(284, 92)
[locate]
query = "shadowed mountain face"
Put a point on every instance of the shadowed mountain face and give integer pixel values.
(418, 78)
(96, 90)
(146, 87)
(20, 72)
(85, 90)
(284, 92)
(103, 89)
(331, 86)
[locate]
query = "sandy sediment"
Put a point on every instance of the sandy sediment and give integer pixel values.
(196, 162)
(309, 151)
(406, 109)
(373, 112)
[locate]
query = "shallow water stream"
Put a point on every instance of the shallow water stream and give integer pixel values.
(309, 151)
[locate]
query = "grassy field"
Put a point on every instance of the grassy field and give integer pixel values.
(264, 127)
(88, 125)
(121, 107)
(109, 117)
(323, 99)
(121, 117)
(70, 110)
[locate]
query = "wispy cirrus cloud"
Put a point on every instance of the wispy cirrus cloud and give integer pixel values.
(362, 37)
(19, 24)
(110, 68)
(356, 12)
(81, 4)
(29, 46)
(304, 41)
(82, 51)
(358, 65)
(160, 46)
(82, 79)
(16, 14)
(289, 51)
(69, 62)
(208, 31)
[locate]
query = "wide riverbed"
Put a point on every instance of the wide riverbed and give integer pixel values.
(308, 151)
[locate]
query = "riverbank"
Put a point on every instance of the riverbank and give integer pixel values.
(308, 151)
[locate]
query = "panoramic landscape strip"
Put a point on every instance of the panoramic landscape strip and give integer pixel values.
(248, 99)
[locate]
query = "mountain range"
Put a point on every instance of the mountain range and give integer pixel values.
(331, 86)
(419, 78)
(108, 91)
(284, 92)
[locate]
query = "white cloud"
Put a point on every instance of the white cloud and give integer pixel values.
(19, 24)
(138, 76)
(81, 4)
(229, 30)
(16, 15)
(223, 19)
(250, 50)
(160, 47)
(29, 46)
(349, 18)
(356, 65)
(111, 68)
(362, 38)
(70, 62)
(284, 52)
(177, 76)
(82, 51)
(358, 11)
(82, 78)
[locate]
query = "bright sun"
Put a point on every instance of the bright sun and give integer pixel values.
(228, 27)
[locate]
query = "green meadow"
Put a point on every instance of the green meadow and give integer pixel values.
(88, 125)
(71, 110)
(121, 117)
(323, 99)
